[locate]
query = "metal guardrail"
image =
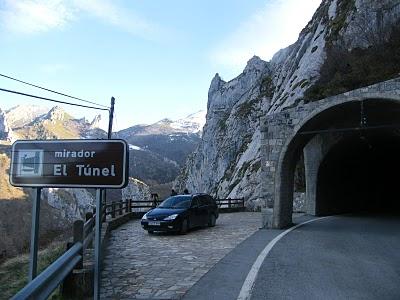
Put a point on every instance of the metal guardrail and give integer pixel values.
(83, 235)
(230, 204)
(46, 282)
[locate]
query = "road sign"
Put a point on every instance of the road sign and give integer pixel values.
(70, 163)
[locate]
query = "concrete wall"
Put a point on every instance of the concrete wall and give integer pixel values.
(314, 153)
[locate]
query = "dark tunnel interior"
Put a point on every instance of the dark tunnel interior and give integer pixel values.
(361, 174)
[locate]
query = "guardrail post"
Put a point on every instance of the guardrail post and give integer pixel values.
(243, 203)
(78, 237)
(120, 207)
(229, 203)
(88, 216)
(34, 234)
(113, 210)
(129, 207)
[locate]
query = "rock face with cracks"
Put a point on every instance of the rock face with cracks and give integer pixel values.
(227, 162)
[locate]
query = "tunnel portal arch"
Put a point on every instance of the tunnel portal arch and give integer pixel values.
(285, 135)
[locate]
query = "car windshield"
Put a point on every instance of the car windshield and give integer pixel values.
(176, 202)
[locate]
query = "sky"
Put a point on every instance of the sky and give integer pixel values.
(157, 58)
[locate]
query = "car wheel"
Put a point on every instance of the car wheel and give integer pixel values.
(150, 231)
(184, 227)
(211, 220)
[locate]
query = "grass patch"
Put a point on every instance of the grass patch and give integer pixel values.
(243, 169)
(222, 123)
(256, 166)
(14, 272)
(267, 87)
(246, 108)
(344, 8)
(61, 130)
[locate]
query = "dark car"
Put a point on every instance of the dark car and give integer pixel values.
(181, 213)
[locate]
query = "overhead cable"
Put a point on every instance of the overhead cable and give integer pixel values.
(52, 100)
(55, 92)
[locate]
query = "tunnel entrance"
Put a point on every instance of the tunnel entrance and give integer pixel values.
(353, 161)
(361, 174)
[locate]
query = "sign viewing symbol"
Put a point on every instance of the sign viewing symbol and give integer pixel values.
(30, 162)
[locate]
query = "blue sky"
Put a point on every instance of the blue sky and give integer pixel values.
(156, 58)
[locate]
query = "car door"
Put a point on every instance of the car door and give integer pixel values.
(212, 206)
(194, 212)
(203, 210)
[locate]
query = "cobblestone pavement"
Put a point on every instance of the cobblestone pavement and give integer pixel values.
(165, 265)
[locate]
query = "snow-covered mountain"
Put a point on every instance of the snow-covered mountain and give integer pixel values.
(37, 122)
(22, 115)
(193, 123)
(158, 150)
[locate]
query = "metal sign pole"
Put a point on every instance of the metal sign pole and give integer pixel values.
(110, 118)
(34, 234)
(97, 247)
(109, 134)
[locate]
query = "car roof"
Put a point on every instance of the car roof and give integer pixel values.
(192, 195)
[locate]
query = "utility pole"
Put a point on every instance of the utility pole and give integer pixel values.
(110, 118)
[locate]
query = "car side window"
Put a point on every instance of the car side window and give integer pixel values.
(203, 201)
(195, 202)
(211, 200)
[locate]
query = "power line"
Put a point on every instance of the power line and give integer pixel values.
(39, 87)
(52, 100)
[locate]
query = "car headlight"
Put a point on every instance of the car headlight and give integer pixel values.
(144, 216)
(171, 217)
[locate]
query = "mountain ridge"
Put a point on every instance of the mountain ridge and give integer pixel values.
(227, 162)
(158, 148)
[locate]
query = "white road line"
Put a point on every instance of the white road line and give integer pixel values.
(247, 287)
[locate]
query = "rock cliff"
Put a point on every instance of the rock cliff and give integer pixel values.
(5, 130)
(227, 161)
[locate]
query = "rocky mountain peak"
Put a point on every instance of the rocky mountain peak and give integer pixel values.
(22, 115)
(96, 122)
(5, 130)
(216, 84)
(164, 122)
(255, 64)
(56, 114)
(222, 96)
(231, 139)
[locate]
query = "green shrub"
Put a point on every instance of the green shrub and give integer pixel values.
(14, 272)
(345, 70)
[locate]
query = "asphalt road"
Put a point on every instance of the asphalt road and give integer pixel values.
(342, 257)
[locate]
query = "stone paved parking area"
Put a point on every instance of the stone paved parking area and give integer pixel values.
(164, 265)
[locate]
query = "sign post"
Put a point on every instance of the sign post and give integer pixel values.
(97, 247)
(100, 164)
(34, 234)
